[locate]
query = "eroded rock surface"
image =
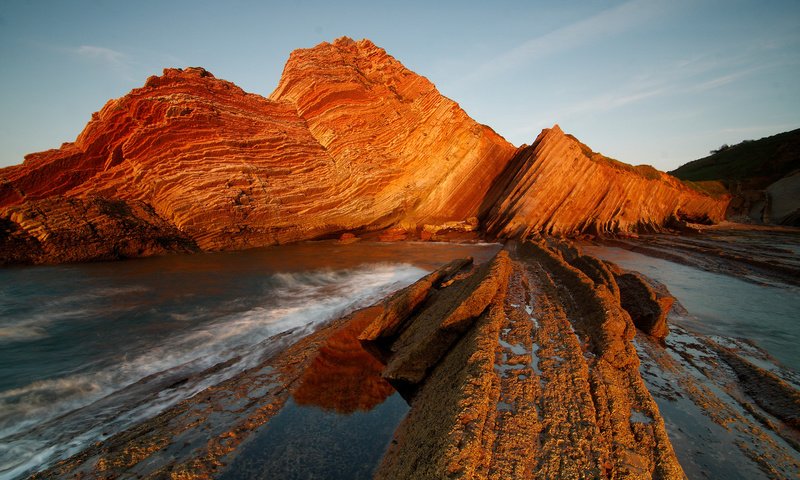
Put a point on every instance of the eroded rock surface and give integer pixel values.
(350, 142)
(559, 186)
(647, 308)
(542, 383)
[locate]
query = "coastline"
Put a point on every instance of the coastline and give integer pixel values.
(531, 345)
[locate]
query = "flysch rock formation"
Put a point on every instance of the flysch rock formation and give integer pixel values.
(349, 142)
(527, 367)
(410, 152)
(522, 368)
(560, 186)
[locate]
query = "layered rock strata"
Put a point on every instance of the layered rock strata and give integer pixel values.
(559, 186)
(70, 229)
(226, 168)
(409, 152)
(538, 380)
(350, 142)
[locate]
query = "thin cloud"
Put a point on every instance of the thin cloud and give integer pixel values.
(114, 60)
(684, 77)
(608, 22)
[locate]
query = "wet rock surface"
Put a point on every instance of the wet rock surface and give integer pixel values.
(542, 384)
(717, 412)
(529, 366)
(647, 308)
(732, 249)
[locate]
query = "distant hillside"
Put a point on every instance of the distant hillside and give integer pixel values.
(754, 164)
(763, 175)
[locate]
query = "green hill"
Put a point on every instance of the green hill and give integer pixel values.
(753, 164)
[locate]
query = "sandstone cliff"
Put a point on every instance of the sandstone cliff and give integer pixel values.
(349, 142)
(413, 153)
(228, 169)
(559, 186)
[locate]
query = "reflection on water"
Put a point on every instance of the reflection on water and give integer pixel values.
(343, 377)
(338, 423)
(724, 305)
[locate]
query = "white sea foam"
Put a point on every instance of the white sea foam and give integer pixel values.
(51, 419)
(37, 323)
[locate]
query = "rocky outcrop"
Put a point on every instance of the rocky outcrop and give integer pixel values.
(423, 341)
(388, 323)
(559, 186)
(226, 168)
(535, 378)
(349, 142)
(648, 309)
(405, 150)
(80, 229)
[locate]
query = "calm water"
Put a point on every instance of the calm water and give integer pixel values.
(723, 305)
(75, 338)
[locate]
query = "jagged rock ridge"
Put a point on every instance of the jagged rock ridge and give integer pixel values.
(559, 186)
(350, 141)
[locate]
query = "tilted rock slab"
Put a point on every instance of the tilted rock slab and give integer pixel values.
(559, 186)
(540, 381)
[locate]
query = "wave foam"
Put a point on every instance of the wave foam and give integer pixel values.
(52, 419)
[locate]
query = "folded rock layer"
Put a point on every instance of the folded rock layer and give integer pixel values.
(350, 141)
(559, 186)
(539, 380)
(409, 148)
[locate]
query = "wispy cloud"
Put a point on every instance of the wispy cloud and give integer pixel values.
(608, 22)
(683, 77)
(119, 62)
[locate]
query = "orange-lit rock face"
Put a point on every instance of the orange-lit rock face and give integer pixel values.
(343, 377)
(228, 168)
(409, 152)
(350, 141)
(559, 186)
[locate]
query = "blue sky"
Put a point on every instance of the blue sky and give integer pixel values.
(655, 82)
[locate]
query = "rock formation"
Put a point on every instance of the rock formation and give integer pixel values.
(647, 308)
(523, 368)
(412, 153)
(349, 142)
(559, 186)
(226, 168)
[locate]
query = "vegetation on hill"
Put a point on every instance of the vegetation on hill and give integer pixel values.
(752, 164)
(644, 171)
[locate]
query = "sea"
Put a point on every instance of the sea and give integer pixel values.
(87, 350)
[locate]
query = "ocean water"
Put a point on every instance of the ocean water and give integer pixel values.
(715, 436)
(766, 314)
(88, 350)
